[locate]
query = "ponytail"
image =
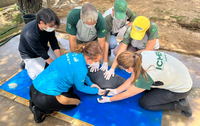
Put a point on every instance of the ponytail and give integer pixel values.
(91, 49)
(130, 59)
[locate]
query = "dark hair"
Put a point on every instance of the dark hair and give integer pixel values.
(47, 16)
(91, 49)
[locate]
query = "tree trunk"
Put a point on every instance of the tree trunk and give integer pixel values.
(29, 6)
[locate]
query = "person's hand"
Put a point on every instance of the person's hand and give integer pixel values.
(112, 92)
(94, 67)
(103, 99)
(108, 74)
(104, 66)
(101, 92)
(95, 85)
(121, 32)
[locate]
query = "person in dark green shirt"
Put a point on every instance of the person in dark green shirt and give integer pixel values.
(85, 24)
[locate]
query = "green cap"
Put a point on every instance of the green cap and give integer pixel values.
(120, 9)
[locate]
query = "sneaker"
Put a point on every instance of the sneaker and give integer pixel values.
(22, 65)
(38, 115)
(31, 104)
(187, 111)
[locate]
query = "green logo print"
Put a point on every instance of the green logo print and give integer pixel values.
(91, 32)
(154, 29)
(103, 30)
(69, 26)
(159, 62)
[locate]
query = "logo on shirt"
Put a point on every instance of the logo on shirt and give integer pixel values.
(126, 35)
(69, 26)
(75, 59)
(160, 61)
(91, 32)
(121, 8)
(154, 29)
(134, 15)
(138, 28)
(104, 30)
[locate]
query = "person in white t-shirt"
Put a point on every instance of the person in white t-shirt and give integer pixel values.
(166, 80)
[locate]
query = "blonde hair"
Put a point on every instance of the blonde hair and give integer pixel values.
(130, 59)
(91, 49)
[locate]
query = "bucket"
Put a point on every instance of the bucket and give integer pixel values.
(28, 18)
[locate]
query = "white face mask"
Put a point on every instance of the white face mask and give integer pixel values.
(49, 29)
(128, 72)
(90, 26)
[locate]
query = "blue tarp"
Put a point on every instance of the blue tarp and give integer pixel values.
(120, 113)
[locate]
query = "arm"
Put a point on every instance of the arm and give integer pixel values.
(104, 46)
(57, 52)
(79, 79)
(150, 45)
(88, 81)
(126, 84)
(49, 60)
(131, 91)
(54, 44)
(72, 42)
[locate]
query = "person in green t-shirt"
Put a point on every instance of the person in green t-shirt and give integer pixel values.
(166, 80)
(85, 24)
(141, 36)
(116, 19)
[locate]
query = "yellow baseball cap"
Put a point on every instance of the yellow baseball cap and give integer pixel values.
(140, 25)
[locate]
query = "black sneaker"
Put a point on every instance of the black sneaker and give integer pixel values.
(188, 111)
(38, 115)
(31, 104)
(22, 65)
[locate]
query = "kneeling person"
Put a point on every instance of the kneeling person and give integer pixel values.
(51, 91)
(34, 38)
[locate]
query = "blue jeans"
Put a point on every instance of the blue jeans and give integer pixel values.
(113, 42)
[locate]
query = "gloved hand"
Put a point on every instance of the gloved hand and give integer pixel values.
(104, 67)
(108, 74)
(95, 85)
(112, 92)
(121, 32)
(94, 67)
(103, 99)
(101, 92)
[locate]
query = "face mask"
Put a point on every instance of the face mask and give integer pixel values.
(128, 72)
(90, 26)
(49, 29)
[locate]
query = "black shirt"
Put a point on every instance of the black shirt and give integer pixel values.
(33, 41)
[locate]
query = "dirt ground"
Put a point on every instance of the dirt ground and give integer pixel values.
(178, 20)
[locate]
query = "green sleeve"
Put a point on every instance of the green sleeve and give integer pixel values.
(127, 38)
(153, 31)
(109, 25)
(72, 20)
(142, 83)
(131, 15)
(101, 26)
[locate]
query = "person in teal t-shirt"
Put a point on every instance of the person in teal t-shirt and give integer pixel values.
(52, 89)
(165, 80)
